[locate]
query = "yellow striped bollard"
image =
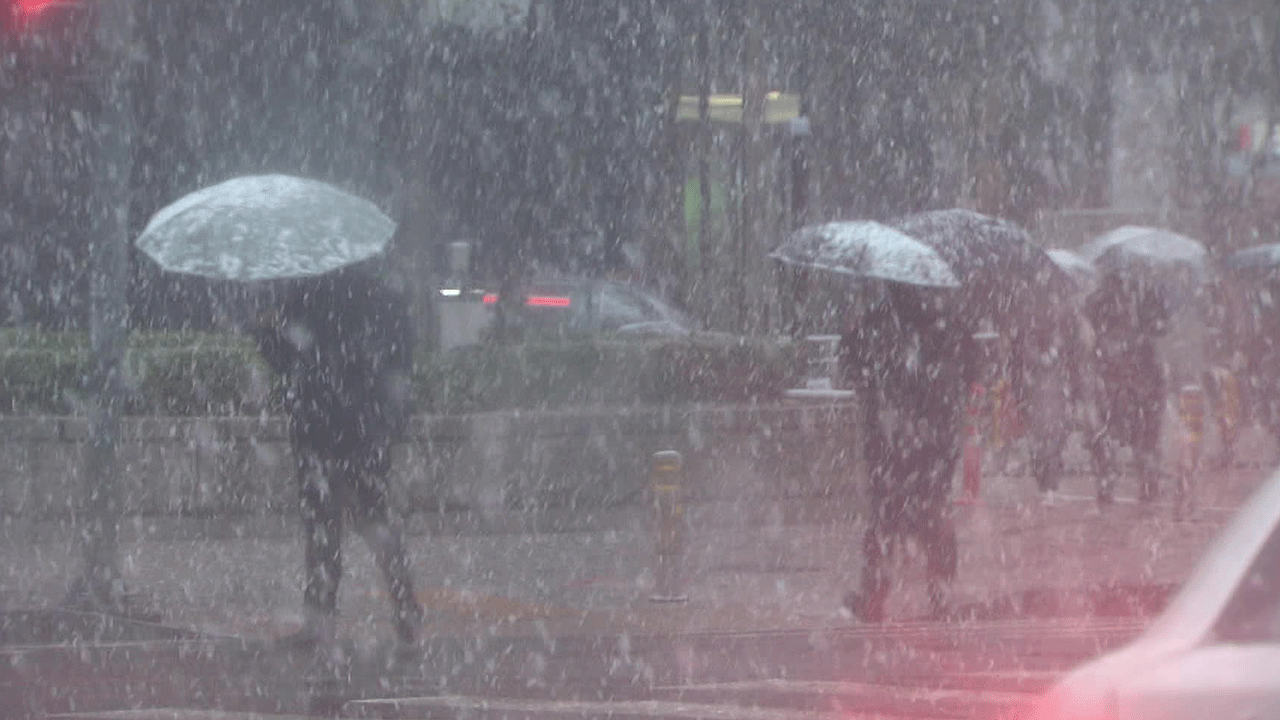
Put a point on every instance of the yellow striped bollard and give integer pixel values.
(667, 482)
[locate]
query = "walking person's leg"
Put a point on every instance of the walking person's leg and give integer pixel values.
(1099, 431)
(1146, 446)
(374, 521)
(322, 546)
(868, 603)
(1051, 410)
(935, 528)
(1046, 459)
(942, 557)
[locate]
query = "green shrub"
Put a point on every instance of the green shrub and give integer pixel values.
(210, 374)
(41, 381)
(704, 368)
(212, 379)
(178, 373)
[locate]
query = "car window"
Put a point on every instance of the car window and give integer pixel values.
(669, 312)
(1253, 612)
(620, 306)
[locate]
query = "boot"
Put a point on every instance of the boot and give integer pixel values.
(389, 554)
(408, 622)
(1106, 491)
(940, 604)
(865, 607)
(319, 630)
(1148, 489)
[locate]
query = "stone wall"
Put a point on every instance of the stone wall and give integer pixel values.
(490, 461)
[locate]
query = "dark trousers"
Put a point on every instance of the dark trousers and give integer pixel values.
(1046, 457)
(333, 491)
(1133, 418)
(910, 497)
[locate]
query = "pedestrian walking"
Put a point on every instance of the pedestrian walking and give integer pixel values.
(1046, 392)
(910, 362)
(1127, 317)
(1260, 345)
(343, 343)
(1044, 403)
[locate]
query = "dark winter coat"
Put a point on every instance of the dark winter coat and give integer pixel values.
(1127, 318)
(912, 366)
(344, 344)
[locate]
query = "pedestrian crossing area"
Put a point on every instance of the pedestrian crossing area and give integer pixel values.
(950, 681)
(770, 699)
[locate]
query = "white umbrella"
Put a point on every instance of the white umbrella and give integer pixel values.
(265, 227)
(1081, 271)
(865, 249)
(1259, 262)
(1175, 263)
(1156, 245)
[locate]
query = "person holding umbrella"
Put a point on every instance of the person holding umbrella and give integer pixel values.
(300, 259)
(1044, 389)
(1127, 316)
(343, 344)
(911, 362)
(901, 359)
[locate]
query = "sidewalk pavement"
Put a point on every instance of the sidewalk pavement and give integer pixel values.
(749, 566)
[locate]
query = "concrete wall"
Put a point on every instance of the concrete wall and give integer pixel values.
(497, 461)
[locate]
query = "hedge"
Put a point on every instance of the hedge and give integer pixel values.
(174, 373)
(212, 374)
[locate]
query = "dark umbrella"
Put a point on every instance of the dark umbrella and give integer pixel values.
(1004, 276)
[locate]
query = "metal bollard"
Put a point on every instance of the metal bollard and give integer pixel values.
(665, 475)
(1191, 409)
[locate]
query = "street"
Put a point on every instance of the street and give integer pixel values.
(558, 620)
(611, 359)
(910, 670)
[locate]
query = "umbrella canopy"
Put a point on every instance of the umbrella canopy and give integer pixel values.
(1004, 276)
(1259, 262)
(265, 227)
(865, 249)
(1145, 244)
(1176, 265)
(1081, 271)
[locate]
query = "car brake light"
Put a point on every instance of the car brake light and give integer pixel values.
(534, 300)
(547, 301)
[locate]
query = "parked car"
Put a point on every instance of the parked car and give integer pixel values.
(585, 307)
(1213, 652)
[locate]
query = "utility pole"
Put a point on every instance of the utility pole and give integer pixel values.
(99, 586)
(752, 279)
(1100, 109)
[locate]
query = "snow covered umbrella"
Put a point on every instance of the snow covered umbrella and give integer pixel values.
(1175, 264)
(265, 227)
(1259, 262)
(865, 249)
(1081, 271)
(1137, 242)
(1004, 276)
